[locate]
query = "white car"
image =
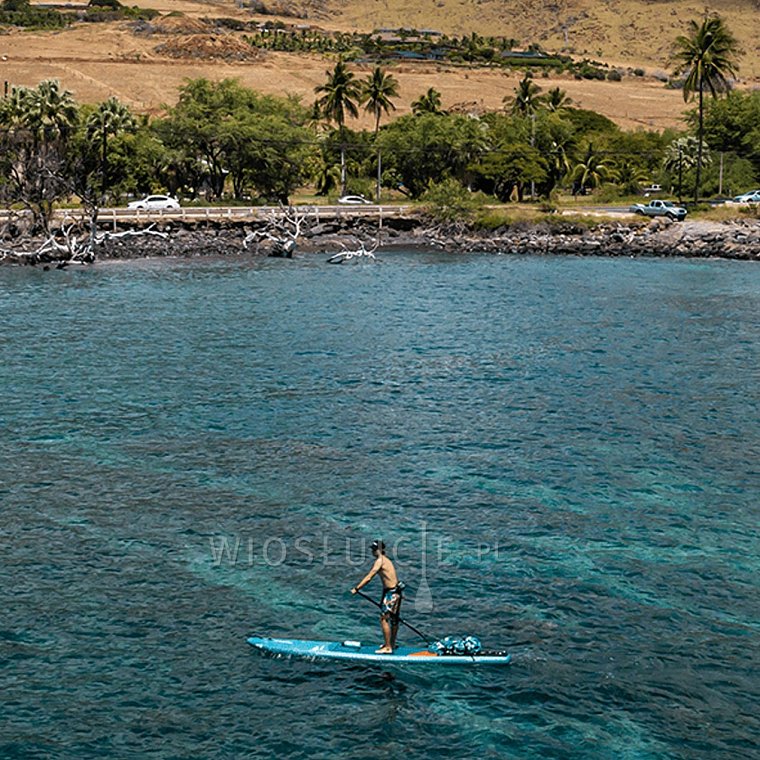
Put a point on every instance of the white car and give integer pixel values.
(745, 198)
(354, 200)
(154, 202)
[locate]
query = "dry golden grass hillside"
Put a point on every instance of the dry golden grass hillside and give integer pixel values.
(632, 32)
(96, 61)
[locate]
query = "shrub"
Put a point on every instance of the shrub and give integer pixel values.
(491, 219)
(449, 201)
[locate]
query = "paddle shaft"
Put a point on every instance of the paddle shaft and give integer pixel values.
(426, 639)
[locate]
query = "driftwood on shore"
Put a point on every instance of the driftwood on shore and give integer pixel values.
(356, 254)
(281, 231)
(736, 239)
(70, 244)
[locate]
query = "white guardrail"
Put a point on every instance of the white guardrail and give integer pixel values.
(221, 213)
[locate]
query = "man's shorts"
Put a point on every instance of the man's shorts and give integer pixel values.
(391, 603)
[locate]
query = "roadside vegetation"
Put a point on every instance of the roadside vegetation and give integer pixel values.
(222, 142)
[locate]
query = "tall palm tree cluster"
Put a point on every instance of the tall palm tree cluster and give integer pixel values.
(342, 94)
(37, 124)
(47, 150)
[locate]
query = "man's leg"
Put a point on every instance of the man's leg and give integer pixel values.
(394, 632)
(387, 648)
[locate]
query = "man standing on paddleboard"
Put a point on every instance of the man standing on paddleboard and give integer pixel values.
(390, 606)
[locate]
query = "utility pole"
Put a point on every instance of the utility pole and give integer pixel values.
(533, 145)
(680, 171)
(379, 174)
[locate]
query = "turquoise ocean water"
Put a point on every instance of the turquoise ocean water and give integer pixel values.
(564, 455)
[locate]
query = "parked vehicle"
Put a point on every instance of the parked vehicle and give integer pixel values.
(154, 202)
(653, 188)
(659, 208)
(354, 200)
(746, 198)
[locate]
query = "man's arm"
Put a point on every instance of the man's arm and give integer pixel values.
(369, 576)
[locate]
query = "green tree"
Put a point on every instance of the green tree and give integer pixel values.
(377, 92)
(556, 141)
(681, 158)
(192, 126)
(48, 111)
(707, 55)
(429, 103)
(588, 124)
(265, 152)
(593, 169)
(110, 118)
(38, 126)
(339, 96)
(732, 127)
(526, 100)
(511, 168)
(628, 174)
(427, 148)
(448, 201)
(556, 100)
(139, 163)
(223, 131)
(16, 5)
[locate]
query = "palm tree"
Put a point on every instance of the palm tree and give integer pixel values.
(556, 100)
(526, 100)
(682, 155)
(707, 55)
(377, 90)
(592, 171)
(41, 120)
(430, 102)
(340, 94)
(557, 158)
(109, 118)
(628, 174)
(49, 111)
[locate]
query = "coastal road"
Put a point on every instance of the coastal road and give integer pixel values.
(220, 213)
(259, 213)
(600, 210)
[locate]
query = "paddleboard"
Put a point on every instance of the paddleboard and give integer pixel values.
(354, 651)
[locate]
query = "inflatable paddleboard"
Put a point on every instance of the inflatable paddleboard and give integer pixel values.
(353, 651)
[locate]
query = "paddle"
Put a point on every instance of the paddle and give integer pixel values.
(426, 639)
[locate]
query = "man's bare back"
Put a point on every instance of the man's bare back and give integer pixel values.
(387, 572)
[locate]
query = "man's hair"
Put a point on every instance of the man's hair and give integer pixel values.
(377, 545)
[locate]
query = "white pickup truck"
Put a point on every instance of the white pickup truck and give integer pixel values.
(659, 208)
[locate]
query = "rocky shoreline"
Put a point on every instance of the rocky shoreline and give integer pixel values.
(736, 239)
